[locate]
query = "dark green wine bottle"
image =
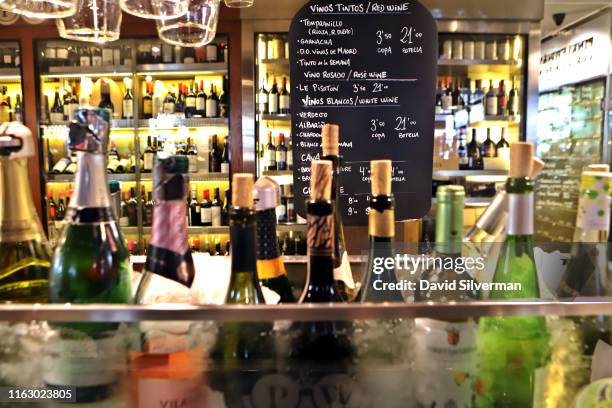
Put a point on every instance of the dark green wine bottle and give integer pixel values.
(380, 282)
(321, 349)
(90, 265)
(270, 267)
(243, 351)
(343, 275)
(513, 347)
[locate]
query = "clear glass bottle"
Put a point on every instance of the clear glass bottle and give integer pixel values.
(26, 256)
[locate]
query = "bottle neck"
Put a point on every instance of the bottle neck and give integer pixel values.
(520, 206)
(18, 218)
(243, 236)
(269, 262)
(91, 185)
(320, 240)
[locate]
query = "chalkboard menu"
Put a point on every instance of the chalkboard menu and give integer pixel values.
(369, 67)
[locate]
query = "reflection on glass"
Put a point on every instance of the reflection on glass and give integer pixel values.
(195, 28)
(41, 8)
(97, 21)
(155, 9)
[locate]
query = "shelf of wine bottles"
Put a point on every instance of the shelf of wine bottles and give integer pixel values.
(162, 99)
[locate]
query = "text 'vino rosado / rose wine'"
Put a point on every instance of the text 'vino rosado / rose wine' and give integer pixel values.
(270, 267)
(330, 139)
(25, 254)
(512, 348)
(243, 352)
(322, 352)
(445, 350)
(380, 285)
(167, 369)
(90, 265)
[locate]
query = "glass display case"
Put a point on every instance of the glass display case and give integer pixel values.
(163, 99)
(381, 363)
(570, 137)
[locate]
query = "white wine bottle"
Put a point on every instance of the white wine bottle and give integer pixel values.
(25, 254)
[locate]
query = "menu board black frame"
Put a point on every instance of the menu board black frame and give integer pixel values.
(369, 67)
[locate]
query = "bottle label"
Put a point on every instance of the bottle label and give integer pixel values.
(273, 103)
(85, 61)
(190, 102)
(83, 362)
(147, 106)
(148, 161)
(193, 163)
(270, 156)
(107, 56)
(594, 203)
(157, 392)
(200, 103)
(7, 59)
(281, 156)
(169, 254)
(206, 215)
(320, 237)
(211, 108)
(445, 358)
(96, 60)
(128, 108)
(168, 107)
(520, 214)
(57, 117)
(289, 159)
(225, 168)
(216, 216)
(491, 105)
(124, 221)
(283, 102)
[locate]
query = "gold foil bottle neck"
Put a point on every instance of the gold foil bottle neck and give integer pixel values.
(330, 137)
(242, 190)
(321, 180)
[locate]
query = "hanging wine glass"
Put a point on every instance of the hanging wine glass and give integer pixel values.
(41, 8)
(239, 3)
(195, 28)
(155, 9)
(97, 21)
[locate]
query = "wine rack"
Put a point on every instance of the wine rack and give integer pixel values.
(162, 98)
(11, 106)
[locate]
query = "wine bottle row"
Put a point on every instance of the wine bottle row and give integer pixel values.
(459, 48)
(488, 349)
(457, 94)
(471, 154)
(276, 154)
(8, 113)
(125, 161)
(276, 100)
(190, 101)
(147, 52)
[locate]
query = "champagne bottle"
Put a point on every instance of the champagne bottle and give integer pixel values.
(321, 348)
(241, 346)
(587, 273)
(513, 347)
(379, 285)
(270, 266)
(90, 265)
(444, 347)
(26, 256)
(167, 366)
(342, 269)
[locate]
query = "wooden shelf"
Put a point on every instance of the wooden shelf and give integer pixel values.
(190, 230)
(468, 62)
(278, 173)
(183, 122)
(177, 70)
(69, 178)
(276, 61)
(467, 173)
(280, 117)
(98, 71)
